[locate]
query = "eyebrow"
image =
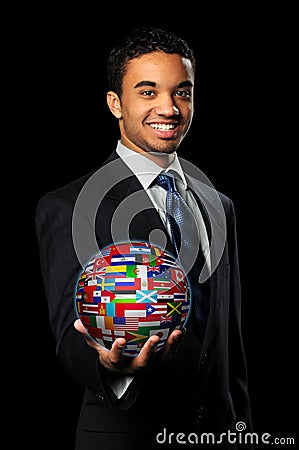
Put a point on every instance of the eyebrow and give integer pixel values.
(186, 83)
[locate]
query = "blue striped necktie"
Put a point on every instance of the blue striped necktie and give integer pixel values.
(185, 237)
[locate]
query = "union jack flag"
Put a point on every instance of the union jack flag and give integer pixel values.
(164, 319)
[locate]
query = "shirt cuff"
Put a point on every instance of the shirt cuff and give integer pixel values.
(119, 383)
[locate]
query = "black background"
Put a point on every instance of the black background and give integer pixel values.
(242, 138)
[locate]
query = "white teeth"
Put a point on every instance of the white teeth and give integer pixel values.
(162, 126)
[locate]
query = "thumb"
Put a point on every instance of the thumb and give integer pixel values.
(81, 328)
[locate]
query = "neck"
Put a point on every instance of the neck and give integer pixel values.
(161, 159)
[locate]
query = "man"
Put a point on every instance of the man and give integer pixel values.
(198, 382)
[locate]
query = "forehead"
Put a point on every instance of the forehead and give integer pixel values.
(160, 68)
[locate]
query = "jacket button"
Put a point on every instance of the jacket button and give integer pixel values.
(204, 359)
(200, 411)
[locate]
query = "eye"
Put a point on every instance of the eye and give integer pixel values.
(147, 93)
(184, 93)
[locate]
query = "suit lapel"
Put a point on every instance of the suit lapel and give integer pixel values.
(132, 211)
(214, 218)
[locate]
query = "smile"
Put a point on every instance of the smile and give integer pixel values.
(163, 126)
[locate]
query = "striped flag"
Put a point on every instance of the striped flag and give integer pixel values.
(165, 296)
(167, 262)
(180, 296)
(124, 298)
(124, 282)
(105, 251)
(127, 284)
(89, 308)
(120, 260)
(140, 248)
(159, 308)
(130, 309)
(125, 323)
(91, 281)
(116, 271)
(159, 284)
(151, 321)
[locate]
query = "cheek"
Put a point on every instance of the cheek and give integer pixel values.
(134, 107)
(134, 114)
(188, 109)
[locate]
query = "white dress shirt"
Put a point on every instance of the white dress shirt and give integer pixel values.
(146, 171)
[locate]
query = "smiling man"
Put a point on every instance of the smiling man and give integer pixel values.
(155, 104)
(198, 382)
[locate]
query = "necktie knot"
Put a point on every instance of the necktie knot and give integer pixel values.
(166, 181)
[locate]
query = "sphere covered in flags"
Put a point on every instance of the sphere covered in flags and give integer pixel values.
(132, 290)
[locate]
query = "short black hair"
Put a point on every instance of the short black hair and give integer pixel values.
(139, 42)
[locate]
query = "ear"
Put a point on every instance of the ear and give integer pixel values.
(114, 104)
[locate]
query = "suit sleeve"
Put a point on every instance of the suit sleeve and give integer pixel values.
(237, 361)
(60, 271)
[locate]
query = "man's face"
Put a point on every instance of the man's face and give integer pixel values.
(156, 106)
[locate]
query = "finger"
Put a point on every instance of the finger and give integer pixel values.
(116, 352)
(146, 354)
(81, 328)
(172, 343)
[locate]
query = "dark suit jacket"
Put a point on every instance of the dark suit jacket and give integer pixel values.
(203, 387)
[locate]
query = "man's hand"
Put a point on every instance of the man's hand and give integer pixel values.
(114, 359)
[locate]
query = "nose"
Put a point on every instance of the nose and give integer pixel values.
(166, 107)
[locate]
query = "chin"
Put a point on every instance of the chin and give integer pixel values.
(167, 149)
(162, 152)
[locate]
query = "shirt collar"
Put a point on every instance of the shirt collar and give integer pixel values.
(147, 170)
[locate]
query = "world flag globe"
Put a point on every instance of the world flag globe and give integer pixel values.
(132, 290)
